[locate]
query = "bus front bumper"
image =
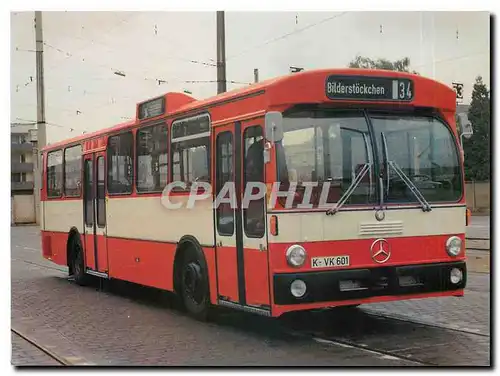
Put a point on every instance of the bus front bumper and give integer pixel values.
(356, 284)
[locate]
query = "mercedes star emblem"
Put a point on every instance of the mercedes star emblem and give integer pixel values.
(380, 251)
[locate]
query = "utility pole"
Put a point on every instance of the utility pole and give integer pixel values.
(256, 75)
(221, 53)
(40, 113)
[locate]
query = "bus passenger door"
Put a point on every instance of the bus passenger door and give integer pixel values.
(96, 255)
(88, 211)
(225, 234)
(241, 252)
(100, 212)
(253, 218)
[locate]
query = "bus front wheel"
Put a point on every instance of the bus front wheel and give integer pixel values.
(194, 285)
(77, 264)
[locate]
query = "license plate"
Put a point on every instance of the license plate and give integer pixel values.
(329, 261)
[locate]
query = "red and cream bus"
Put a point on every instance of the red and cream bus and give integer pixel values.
(380, 147)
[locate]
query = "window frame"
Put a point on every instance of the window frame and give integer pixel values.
(49, 196)
(251, 129)
(88, 162)
(368, 113)
(96, 198)
(174, 140)
(161, 123)
(218, 177)
(64, 170)
(434, 115)
(107, 164)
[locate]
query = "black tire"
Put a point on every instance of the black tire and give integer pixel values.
(194, 290)
(77, 264)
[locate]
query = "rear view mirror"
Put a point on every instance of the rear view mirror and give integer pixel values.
(274, 126)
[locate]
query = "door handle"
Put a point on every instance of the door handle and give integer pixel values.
(218, 244)
(262, 247)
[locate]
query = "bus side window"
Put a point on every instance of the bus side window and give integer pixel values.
(253, 217)
(55, 173)
(190, 143)
(72, 171)
(120, 157)
(152, 158)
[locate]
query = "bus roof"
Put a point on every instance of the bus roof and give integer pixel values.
(283, 84)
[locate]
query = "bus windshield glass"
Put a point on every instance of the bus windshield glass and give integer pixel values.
(333, 146)
(425, 150)
(326, 146)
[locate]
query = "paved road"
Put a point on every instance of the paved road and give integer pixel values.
(26, 354)
(116, 323)
(479, 227)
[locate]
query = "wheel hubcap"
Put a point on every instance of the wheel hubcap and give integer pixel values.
(193, 282)
(76, 266)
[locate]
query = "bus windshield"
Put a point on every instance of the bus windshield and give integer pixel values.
(333, 146)
(425, 150)
(326, 146)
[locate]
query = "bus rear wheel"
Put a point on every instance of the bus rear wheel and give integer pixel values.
(77, 264)
(194, 286)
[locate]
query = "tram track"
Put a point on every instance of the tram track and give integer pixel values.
(382, 354)
(413, 355)
(60, 360)
(316, 337)
(395, 316)
(391, 336)
(40, 265)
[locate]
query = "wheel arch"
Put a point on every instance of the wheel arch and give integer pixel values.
(188, 241)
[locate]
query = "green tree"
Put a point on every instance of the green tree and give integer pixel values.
(477, 148)
(402, 65)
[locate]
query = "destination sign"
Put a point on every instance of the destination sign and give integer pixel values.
(152, 108)
(369, 88)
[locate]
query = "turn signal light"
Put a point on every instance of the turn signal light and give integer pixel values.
(467, 217)
(274, 225)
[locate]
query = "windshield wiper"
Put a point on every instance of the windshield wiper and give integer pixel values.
(361, 174)
(413, 188)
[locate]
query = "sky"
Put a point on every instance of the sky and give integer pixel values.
(83, 50)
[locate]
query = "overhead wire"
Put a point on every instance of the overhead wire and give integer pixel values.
(284, 36)
(113, 26)
(123, 72)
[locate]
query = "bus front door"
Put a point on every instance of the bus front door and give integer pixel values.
(241, 242)
(96, 255)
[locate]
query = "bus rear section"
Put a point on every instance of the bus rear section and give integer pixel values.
(378, 211)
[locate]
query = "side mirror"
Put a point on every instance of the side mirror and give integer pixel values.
(274, 126)
(466, 129)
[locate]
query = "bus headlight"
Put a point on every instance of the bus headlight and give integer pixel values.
(456, 276)
(298, 288)
(296, 255)
(453, 245)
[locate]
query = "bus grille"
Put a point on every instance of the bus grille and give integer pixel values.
(380, 229)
